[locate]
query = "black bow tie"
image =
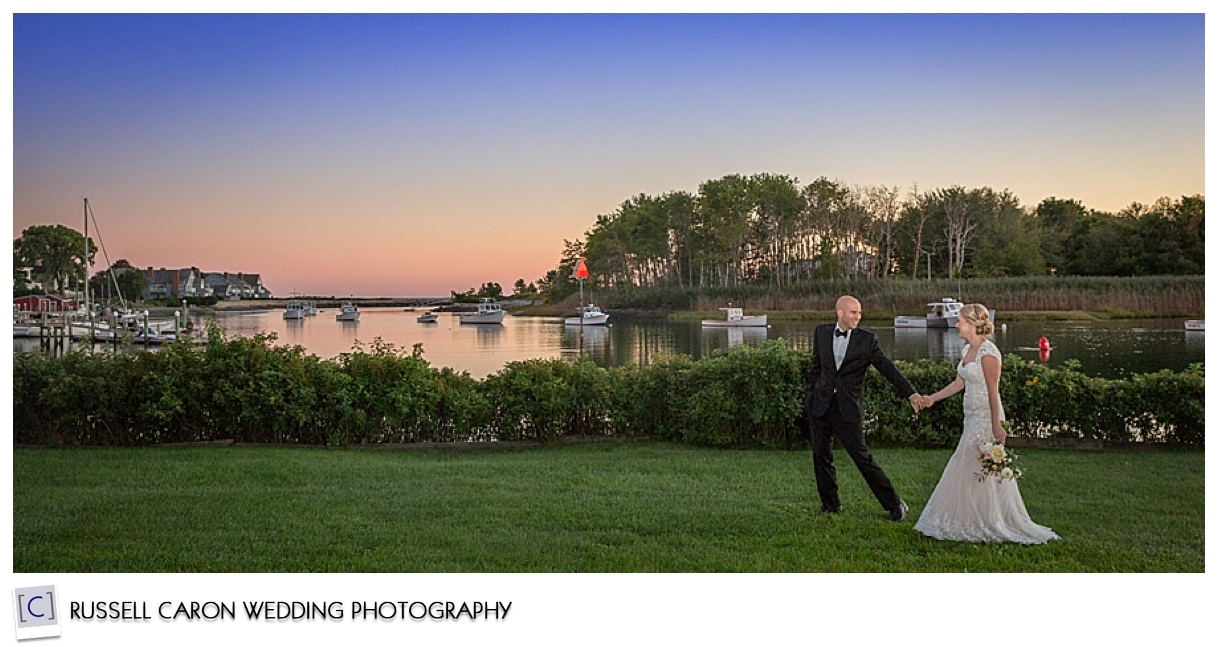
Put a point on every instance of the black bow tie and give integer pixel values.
(839, 333)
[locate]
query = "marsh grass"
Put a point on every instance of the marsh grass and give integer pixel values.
(608, 507)
(1099, 296)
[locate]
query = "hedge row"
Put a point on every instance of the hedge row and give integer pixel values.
(252, 390)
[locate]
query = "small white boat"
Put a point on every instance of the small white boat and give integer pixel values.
(488, 312)
(909, 322)
(296, 310)
(96, 330)
(426, 317)
(735, 318)
(1195, 324)
(591, 316)
(941, 314)
(26, 331)
(347, 312)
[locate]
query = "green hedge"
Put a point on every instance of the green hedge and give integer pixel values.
(251, 390)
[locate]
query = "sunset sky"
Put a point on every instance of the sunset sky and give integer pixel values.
(413, 155)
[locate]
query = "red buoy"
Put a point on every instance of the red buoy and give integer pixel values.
(1044, 343)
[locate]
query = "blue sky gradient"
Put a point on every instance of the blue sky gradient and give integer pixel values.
(417, 154)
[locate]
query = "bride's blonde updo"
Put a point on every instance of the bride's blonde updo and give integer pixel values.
(979, 316)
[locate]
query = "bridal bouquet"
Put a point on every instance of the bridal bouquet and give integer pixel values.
(997, 461)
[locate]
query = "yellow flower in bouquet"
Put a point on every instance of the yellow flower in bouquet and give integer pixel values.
(998, 462)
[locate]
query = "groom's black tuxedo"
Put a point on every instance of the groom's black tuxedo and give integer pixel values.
(827, 383)
(835, 408)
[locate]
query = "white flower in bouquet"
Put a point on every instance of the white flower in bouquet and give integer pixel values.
(998, 462)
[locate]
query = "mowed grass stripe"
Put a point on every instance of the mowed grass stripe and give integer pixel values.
(612, 507)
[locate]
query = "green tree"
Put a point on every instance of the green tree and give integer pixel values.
(725, 209)
(680, 212)
(1007, 241)
(557, 283)
(775, 233)
(1189, 215)
(56, 253)
(821, 226)
(884, 206)
(917, 237)
(1108, 245)
(490, 291)
(1057, 221)
(120, 282)
(522, 288)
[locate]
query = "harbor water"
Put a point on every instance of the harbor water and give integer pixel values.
(1102, 348)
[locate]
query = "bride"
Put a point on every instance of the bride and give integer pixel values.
(961, 507)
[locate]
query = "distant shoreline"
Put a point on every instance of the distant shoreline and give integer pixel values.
(633, 314)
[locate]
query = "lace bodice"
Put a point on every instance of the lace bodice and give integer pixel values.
(976, 393)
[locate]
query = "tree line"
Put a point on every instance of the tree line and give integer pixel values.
(769, 230)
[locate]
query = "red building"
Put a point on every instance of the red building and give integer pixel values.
(43, 303)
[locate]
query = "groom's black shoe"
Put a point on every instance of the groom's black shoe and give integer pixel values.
(898, 513)
(830, 509)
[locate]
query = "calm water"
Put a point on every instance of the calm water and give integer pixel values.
(1110, 348)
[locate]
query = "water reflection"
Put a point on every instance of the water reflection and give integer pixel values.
(586, 339)
(933, 343)
(1104, 348)
(294, 331)
(1194, 340)
(713, 338)
(487, 335)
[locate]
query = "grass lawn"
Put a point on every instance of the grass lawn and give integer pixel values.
(605, 507)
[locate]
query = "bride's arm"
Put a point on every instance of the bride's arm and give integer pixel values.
(948, 391)
(991, 368)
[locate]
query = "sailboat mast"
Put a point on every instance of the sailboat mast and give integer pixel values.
(85, 258)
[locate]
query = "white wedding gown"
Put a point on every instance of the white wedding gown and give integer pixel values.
(963, 508)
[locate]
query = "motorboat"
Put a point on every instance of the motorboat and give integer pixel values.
(940, 314)
(296, 310)
(26, 331)
(591, 315)
(427, 317)
(1195, 325)
(735, 318)
(347, 312)
(488, 312)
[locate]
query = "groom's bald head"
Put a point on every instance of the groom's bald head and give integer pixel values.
(849, 312)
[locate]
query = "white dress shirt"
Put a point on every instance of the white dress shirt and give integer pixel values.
(839, 346)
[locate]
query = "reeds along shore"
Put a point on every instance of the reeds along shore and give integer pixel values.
(1155, 296)
(1110, 297)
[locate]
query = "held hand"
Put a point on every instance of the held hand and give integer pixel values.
(927, 401)
(916, 401)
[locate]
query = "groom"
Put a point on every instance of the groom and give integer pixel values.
(841, 353)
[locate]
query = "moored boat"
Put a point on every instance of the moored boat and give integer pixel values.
(735, 318)
(1195, 325)
(426, 317)
(347, 312)
(591, 315)
(296, 310)
(488, 312)
(940, 314)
